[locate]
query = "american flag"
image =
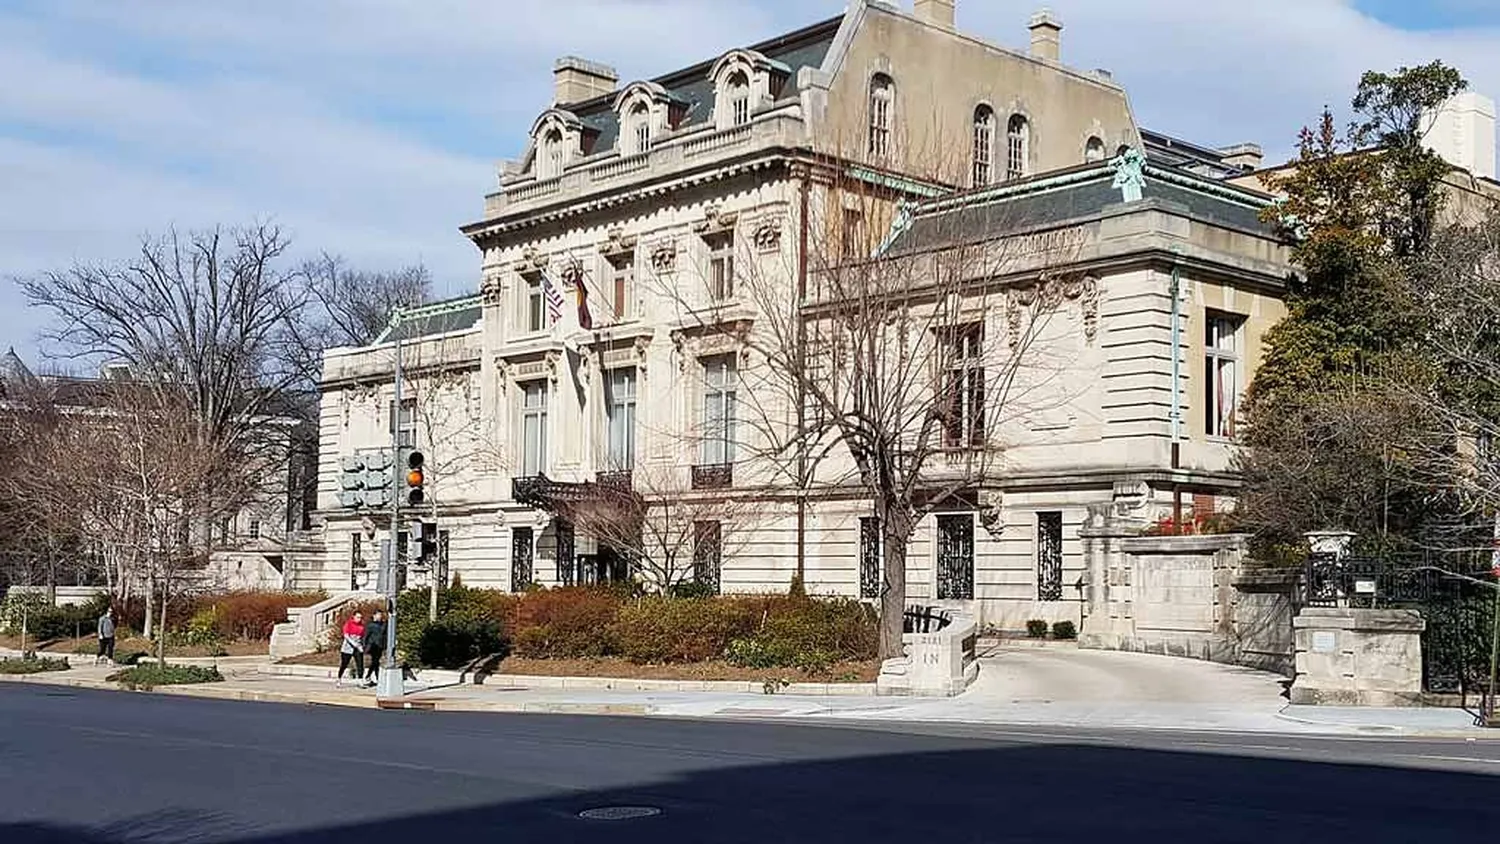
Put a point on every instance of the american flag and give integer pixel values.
(554, 298)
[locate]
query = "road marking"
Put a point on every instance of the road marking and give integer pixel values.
(1450, 758)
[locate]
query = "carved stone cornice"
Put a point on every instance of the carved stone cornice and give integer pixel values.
(619, 246)
(716, 220)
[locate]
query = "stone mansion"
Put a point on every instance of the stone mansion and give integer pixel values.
(640, 221)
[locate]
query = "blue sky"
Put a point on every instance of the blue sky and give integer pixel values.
(372, 128)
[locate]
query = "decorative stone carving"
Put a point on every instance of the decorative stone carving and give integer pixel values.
(1013, 319)
(551, 361)
(715, 219)
(768, 236)
(618, 244)
(642, 348)
(1131, 496)
(492, 289)
(502, 373)
(680, 350)
(532, 260)
(991, 516)
(1130, 174)
(664, 257)
(1090, 308)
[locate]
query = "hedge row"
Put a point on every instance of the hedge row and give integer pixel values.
(762, 631)
(193, 619)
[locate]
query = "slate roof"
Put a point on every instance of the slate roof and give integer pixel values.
(692, 88)
(1073, 194)
(461, 314)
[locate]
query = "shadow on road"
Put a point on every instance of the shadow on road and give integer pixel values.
(1003, 793)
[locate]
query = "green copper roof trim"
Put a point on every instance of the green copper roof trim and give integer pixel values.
(1230, 193)
(887, 180)
(399, 315)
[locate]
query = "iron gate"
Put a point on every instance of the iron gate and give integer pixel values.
(1454, 592)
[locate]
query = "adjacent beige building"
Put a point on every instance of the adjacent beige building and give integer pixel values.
(626, 260)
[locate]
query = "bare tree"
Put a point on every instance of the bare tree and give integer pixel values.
(896, 373)
(347, 306)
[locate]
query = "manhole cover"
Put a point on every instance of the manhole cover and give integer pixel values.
(618, 813)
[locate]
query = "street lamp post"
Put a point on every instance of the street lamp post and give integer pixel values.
(392, 684)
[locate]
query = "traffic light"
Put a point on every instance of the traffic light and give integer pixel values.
(415, 478)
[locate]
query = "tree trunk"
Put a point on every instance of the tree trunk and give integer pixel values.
(893, 593)
(161, 625)
(150, 605)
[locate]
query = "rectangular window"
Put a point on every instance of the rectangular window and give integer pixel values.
(534, 308)
(854, 234)
(620, 402)
(1049, 585)
(622, 270)
(533, 428)
(642, 136)
(1221, 374)
(255, 529)
(521, 550)
(869, 558)
(741, 108)
(720, 396)
(955, 562)
(963, 388)
(721, 266)
(984, 147)
(356, 550)
(708, 554)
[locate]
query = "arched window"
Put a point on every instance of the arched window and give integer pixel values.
(550, 159)
(738, 93)
(882, 98)
(1094, 149)
(640, 128)
(1017, 145)
(984, 145)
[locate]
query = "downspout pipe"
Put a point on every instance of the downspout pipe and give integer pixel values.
(1176, 293)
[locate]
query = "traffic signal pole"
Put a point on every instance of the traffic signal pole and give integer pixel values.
(391, 683)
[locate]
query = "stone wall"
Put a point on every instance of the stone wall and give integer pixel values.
(1186, 596)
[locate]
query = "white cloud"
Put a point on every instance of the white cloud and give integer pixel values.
(370, 127)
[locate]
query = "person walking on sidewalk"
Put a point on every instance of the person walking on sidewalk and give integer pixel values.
(374, 646)
(352, 648)
(106, 630)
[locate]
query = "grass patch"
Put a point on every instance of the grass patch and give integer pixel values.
(150, 675)
(32, 665)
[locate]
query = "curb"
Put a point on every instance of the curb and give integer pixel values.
(516, 682)
(1386, 730)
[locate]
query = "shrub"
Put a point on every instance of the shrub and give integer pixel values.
(1064, 630)
(457, 642)
(807, 634)
(564, 623)
(32, 665)
(149, 676)
(691, 589)
(677, 630)
(47, 623)
(1036, 628)
(250, 615)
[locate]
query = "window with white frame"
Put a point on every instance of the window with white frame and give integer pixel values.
(720, 397)
(720, 265)
(882, 100)
(1017, 146)
(640, 128)
(533, 305)
(984, 145)
(551, 158)
(963, 387)
(622, 287)
(620, 404)
(1221, 364)
(738, 92)
(533, 428)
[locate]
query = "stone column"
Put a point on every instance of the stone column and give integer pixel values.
(1358, 657)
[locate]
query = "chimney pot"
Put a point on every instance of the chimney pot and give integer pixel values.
(575, 80)
(936, 12)
(1247, 156)
(1046, 36)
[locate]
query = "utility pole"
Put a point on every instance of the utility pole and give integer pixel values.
(391, 684)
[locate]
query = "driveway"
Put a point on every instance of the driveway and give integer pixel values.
(1047, 675)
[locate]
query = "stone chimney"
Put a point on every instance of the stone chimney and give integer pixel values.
(936, 12)
(576, 80)
(1243, 156)
(1046, 36)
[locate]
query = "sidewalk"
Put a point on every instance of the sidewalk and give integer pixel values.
(992, 701)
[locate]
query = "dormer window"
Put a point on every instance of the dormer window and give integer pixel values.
(558, 137)
(552, 159)
(640, 128)
(1093, 150)
(882, 98)
(738, 96)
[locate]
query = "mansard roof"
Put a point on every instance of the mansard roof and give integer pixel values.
(1073, 195)
(435, 318)
(693, 88)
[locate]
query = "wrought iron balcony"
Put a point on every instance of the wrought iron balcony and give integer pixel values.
(713, 476)
(616, 479)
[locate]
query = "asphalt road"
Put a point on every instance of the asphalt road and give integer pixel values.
(89, 767)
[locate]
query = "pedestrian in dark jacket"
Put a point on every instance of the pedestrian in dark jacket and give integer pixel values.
(374, 646)
(106, 631)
